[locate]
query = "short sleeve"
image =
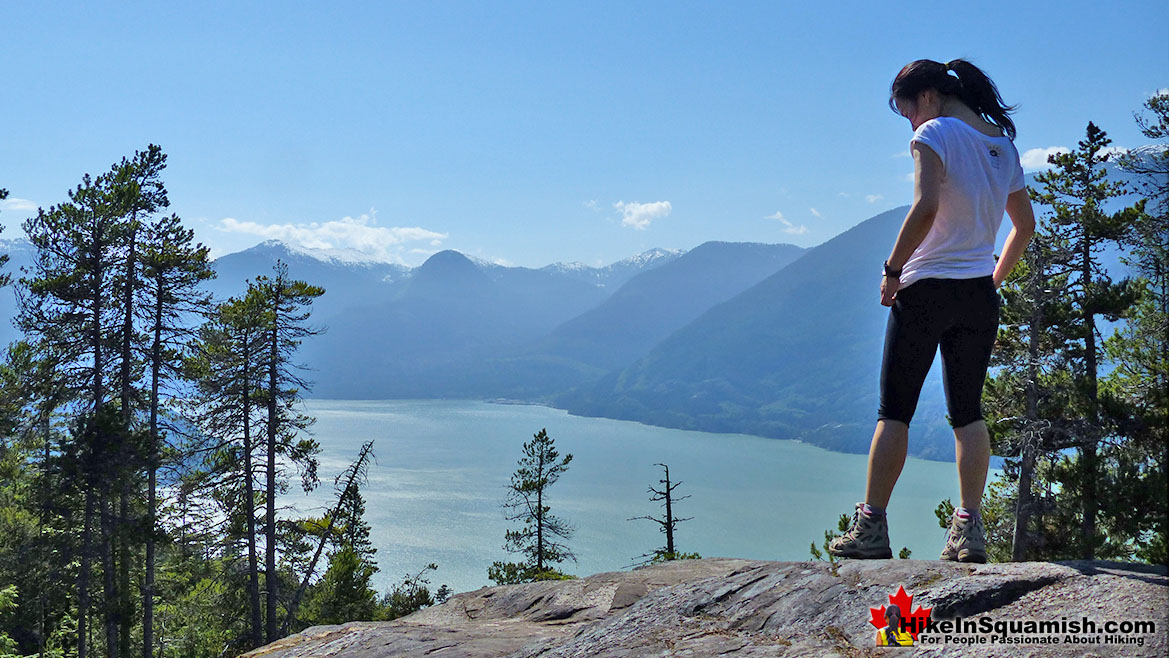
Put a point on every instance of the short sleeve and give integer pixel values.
(1017, 179)
(930, 134)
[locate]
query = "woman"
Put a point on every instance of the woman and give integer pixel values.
(940, 281)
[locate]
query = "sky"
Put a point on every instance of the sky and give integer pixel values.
(528, 133)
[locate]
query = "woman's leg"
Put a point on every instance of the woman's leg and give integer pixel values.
(886, 458)
(911, 339)
(912, 334)
(966, 349)
(972, 445)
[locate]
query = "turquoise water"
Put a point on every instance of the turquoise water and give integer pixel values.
(442, 466)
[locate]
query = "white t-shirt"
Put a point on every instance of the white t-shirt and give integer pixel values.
(979, 172)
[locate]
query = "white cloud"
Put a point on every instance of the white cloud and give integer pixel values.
(591, 204)
(873, 198)
(901, 154)
(17, 205)
(1033, 159)
(386, 243)
(815, 212)
(844, 194)
(792, 228)
(639, 215)
(908, 178)
(778, 215)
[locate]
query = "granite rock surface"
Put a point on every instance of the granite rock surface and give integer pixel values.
(752, 608)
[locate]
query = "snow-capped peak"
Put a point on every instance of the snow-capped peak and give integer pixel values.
(333, 256)
(648, 257)
(574, 266)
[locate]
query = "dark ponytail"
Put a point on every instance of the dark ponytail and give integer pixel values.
(968, 83)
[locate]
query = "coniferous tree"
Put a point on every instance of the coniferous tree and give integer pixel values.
(344, 525)
(227, 365)
(65, 303)
(1140, 350)
(1029, 357)
(173, 266)
(539, 468)
(31, 397)
(411, 595)
(286, 303)
(137, 191)
(344, 593)
(1077, 191)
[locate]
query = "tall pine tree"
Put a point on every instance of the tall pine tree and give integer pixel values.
(227, 365)
(173, 266)
(1077, 191)
(1141, 350)
(539, 468)
(65, 302)
(287, 305)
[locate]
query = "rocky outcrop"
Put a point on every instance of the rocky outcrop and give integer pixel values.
(733, 607)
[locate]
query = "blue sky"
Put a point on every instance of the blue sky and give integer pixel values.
(534, 132)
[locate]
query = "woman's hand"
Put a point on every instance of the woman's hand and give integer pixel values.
(889, 286)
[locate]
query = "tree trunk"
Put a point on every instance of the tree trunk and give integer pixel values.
(83, 576)
(45, 498)
(1023, 501)
(1023, 504)
(540, 513)
(152, 482)
(250, 503)
(123, 521)
(669, 518)
(109, 576)
(270, 579)
(1088, 452)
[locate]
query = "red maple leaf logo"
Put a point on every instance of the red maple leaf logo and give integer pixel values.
(911, 622)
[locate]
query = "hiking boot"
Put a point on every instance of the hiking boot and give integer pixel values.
(966, 540)
(866, 538)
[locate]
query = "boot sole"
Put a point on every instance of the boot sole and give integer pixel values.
(972, 559)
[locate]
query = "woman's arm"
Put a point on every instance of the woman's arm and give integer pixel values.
(927, 185)
(1023, 217)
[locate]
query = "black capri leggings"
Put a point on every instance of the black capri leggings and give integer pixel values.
(961, 315)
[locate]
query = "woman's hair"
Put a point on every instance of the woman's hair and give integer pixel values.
(971, 86)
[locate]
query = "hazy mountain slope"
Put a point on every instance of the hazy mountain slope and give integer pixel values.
(796, 356)
(655, 303)
(449, 316)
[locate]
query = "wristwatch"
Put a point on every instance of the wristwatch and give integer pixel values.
(889, 271)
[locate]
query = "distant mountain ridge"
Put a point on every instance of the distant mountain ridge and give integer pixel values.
(795, 356)
(459, 328)
(657, 302)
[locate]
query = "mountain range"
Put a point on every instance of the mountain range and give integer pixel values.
(766, 339)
